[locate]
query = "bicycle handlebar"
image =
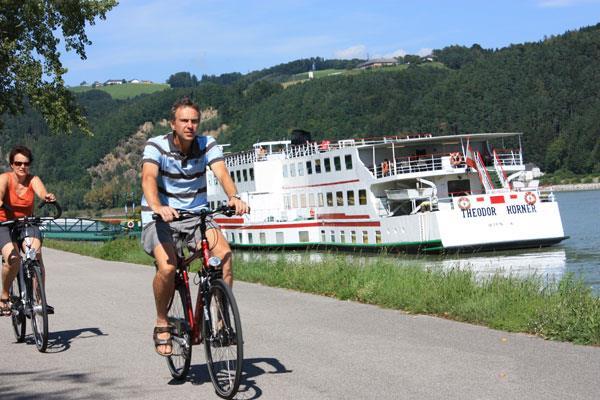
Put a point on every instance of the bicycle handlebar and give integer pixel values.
(203, 213)
(32, 219)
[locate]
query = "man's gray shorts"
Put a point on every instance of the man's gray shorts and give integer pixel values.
(157, 232)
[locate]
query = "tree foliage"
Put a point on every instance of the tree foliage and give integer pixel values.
(182, 80)
(30, 66)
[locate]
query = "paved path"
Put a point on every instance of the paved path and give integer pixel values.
(298, 346)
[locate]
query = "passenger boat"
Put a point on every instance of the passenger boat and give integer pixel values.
(416, 193)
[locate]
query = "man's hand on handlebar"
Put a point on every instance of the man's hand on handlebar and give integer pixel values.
(167, 214)
(240, 206)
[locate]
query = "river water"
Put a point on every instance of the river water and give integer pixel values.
(579, 255)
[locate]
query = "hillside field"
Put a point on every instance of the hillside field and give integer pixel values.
(124, 91)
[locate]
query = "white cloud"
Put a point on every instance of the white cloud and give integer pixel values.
(424, 52)
(563, 3)
(358, 51)
(396, 53)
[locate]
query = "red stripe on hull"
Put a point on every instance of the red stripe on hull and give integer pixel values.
(229, 220)
(303, 225)
(497, 199)
(341, 216)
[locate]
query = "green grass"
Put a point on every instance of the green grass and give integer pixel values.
(565, 311)
(125, 91)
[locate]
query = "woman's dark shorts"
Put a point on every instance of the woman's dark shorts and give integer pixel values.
(10, 235)
(157, 232)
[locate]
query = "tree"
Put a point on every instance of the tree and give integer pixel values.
(182, 79)
(30, 66)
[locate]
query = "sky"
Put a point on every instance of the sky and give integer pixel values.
(153, 39)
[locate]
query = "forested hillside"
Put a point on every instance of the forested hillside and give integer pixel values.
(549, 89)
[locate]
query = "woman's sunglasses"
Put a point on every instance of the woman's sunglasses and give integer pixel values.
(21, 163)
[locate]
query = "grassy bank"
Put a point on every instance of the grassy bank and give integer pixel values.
(566, 310)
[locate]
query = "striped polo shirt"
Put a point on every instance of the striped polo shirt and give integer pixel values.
(181, 178)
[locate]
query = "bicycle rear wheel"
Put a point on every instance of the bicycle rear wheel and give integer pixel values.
(39, 310)
(223, 342)
(179, 361)
(18, 314)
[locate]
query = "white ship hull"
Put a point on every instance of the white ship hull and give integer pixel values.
(343, 196)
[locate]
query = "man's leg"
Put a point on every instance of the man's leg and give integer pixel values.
(163, 286)
(219, 247)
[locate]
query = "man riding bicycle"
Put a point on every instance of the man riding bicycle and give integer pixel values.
(174, 177)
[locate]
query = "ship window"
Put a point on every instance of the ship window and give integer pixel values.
(320, 197)
(249, 238)
(337, 163)
(300, 169)
(303, 200)
(286, 202)
(303, 236)
(377, 236)
(285, 170)
(459, 187)
(332, 236)
(309, 168)
(350, 195)
(240, 237)
(232, 176)
(327, 162)
(311, 200)
(263, 238)
(362, 197)
(365, 237)
(294, 201)
(292, 169)
(323, 236)
(238, 175)
(251, 174)
(353, 236)
(232, 238)
(339, 198)
(279, 237)
(317, 166)
(348, 161)
(330, 199)
(245, 173)
(343, 237)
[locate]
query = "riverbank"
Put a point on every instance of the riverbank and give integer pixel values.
(575, 187)
(565, 310)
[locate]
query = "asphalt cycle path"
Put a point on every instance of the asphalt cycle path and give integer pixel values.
(297, 346)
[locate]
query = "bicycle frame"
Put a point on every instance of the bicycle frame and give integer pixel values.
(195, 314)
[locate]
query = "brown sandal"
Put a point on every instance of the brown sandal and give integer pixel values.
(5, 307)
(163, 342)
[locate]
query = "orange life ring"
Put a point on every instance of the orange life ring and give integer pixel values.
(530, 198)
(456, 159)
(464, 203)
(130, 224)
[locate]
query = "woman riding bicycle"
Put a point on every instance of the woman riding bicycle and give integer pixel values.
(17, 189)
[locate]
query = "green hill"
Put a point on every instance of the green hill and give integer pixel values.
(548, 89)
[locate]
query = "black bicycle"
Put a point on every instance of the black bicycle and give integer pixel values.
(27, 293)
(216, 314)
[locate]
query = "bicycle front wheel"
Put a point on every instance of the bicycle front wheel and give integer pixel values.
(38, 306)
(223, 342)
(18, 315)
(179, 361)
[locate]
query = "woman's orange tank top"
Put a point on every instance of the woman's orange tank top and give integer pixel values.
(22, 206)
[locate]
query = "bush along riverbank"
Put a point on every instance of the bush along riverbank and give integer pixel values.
(564, 310)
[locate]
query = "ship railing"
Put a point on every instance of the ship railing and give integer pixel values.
(247, 157)
(509, 157)
(409, 165)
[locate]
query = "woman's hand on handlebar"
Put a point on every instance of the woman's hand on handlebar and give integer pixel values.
(49, 198)
(166, 213)
(240, 206)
